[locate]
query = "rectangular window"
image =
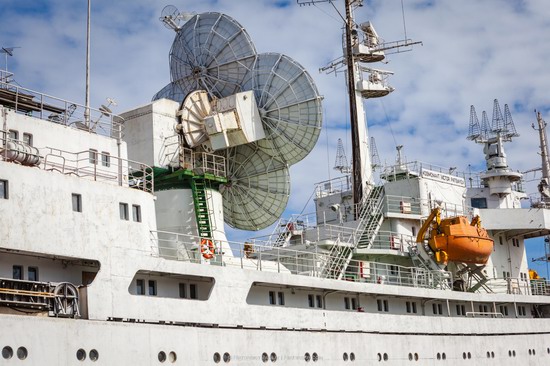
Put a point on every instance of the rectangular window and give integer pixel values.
(504, 310)
(319, 301)
(480, 202)
(27, 138)
(140, 287)
(272, 298)
(77, 202)
(3, 189)
(17, 272)
(183, 291)
(346, 303)
(382, 305)
(193, 292)
(152, 288)
(123, 208)
(354, 303)
(281, 298)
(136, 213)
(461, 310)
(92, 156)
(33, 273)
(408, 306)
(411, 307)
(500, 240)
(310, 301)
(105, 159)
(14, 135)
(414, 307)
(437, 309)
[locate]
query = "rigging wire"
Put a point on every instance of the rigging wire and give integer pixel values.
(403, 14)
(389, 122)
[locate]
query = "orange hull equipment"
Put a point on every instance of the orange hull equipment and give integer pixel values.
(461, 241)
(455, 239)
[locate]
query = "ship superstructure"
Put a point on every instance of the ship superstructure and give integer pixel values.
(114, 251)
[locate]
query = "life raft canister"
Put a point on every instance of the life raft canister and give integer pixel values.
(207, 248)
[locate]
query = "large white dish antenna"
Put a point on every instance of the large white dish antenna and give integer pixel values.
(213, 52)
(258, 188)
(289, 105)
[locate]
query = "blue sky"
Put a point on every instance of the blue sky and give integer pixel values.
(473, 52)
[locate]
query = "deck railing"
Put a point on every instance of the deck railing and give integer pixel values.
(60, 111)
(99, 166)
(309, 262)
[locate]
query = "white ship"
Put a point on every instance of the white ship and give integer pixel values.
(113, 247)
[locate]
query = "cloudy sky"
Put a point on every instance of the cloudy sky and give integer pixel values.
(473, 52)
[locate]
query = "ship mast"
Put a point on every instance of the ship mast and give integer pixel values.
(544, 185)
(356, 159)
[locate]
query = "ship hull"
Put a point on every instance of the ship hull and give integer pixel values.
(54, 341)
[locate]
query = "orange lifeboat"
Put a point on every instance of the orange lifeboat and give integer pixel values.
(457, 240)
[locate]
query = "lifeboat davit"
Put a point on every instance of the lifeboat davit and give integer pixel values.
(457, 240)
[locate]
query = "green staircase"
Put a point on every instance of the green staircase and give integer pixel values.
(200, 200)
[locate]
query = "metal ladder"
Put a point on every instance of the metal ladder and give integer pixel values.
(200, 201)
(370, 220)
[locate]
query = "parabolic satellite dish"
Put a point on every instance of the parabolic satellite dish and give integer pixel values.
(212, 58)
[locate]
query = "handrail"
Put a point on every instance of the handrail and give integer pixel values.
(60, 111)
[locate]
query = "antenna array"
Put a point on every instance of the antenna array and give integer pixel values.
(501, 125)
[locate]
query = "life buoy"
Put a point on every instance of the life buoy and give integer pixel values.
(207, 248)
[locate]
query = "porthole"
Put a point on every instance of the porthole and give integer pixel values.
(217, 357)
(469, 355)
(385, 356)
(548, 350)
(352, 356)
(529, 352)
(226, 357)
(80, 355)
(22, 353)
(509, 353)
(379, 357)
(464, 355)
(416, 356)
(533, 352)
(307, 357)
(273, 357)
(345, 356)
(265, 357)
(94, 355)
(162, 356)
(488, 354)
(314, 357)
(410, 356)
(7, 352)
(492, 354)
(439, 356)
(514, 353)
(443, 356)
(172, 357)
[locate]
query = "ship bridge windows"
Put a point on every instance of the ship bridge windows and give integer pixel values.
(28, 138)
(3, 189)
(171, 285)
(479, 202)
